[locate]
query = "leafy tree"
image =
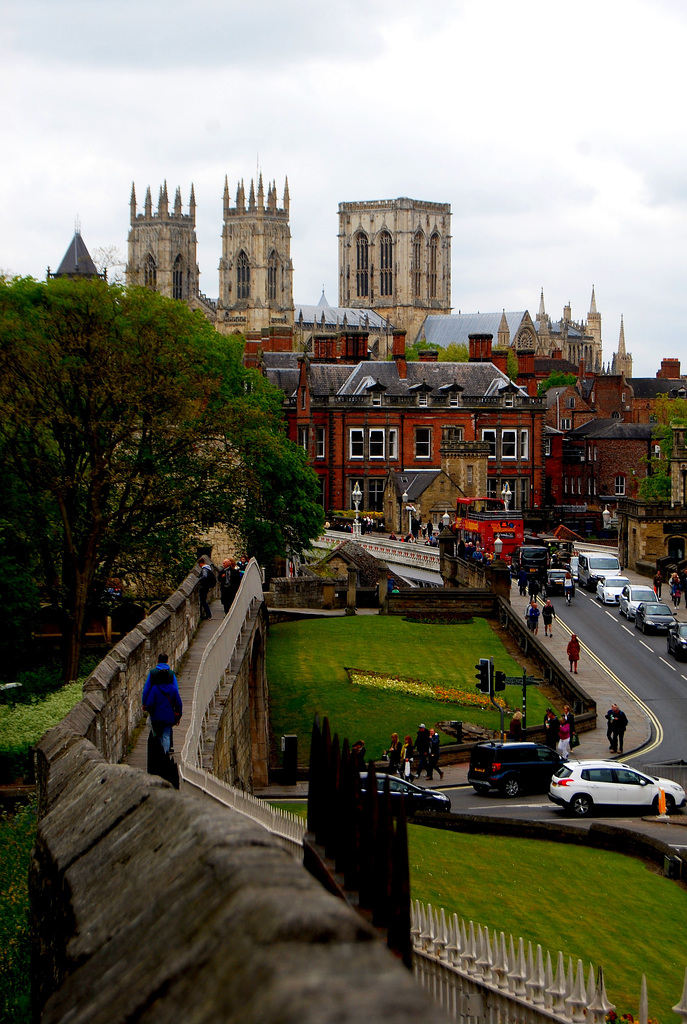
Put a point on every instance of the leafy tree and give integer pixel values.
(557, 379)
(657, 486)
(130, 427)
(454, 353)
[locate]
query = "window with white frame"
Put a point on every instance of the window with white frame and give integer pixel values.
(524, 444)
(547, 446)
(524, 493)
(566, 423)
(508, 401)
(453, 399)
(490, 437)
(579, 485)
(570, 403)
(423, 442)
(376, 444)
(357, 444)
(393, 443)
(376, 397)
(565, 485)
(303, 437)
(320, 449)
(619, 485)
(509, 440)
(422, 398)
(657, 451)
(596, 453)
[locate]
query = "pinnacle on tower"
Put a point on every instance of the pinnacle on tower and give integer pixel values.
(286, 194)
(225, 199)
(192, 205)
(541, 315)
(261, 194)
(241, 196)
(132, 203)
(621, 341)
(148, 204)
(251, 197)
(177, 202)
(163, 201)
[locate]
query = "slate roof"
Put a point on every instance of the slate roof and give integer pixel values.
(367, 319)
(613, 429)
(77, 261)
(548, 365)
(355, 554)
(651, 387)
(455, 328)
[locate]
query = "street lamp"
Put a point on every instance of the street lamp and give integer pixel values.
(498, 548)
(506, 494)
(357, 498)
(445, 520)
(606, 516)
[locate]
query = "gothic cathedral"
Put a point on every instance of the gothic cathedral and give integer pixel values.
(395, 258)
(162, 246)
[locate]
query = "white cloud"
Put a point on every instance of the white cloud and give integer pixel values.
(554, 131)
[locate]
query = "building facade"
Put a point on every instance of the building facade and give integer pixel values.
(395, 258)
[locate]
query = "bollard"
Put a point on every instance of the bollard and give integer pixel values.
(661, 803)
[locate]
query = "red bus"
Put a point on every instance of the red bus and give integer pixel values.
(480, 520)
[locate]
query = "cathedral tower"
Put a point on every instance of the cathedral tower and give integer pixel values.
(395, 258)
(162, 246)
(255, 271)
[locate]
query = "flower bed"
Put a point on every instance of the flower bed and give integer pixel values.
(419, 688)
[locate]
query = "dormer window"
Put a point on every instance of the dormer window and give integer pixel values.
(453, 399)
(376, 398)
(422, 399)
(508, 401)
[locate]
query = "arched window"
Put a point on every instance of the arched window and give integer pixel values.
(386, 272)
(150, 272)
(272, 270)
(416, 269)
(361, 278)
(178, 278)
(242, 276)
(433, 265)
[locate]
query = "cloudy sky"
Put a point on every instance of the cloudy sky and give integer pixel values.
(555, 130)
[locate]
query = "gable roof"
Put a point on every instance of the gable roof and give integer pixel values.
(77, 261)
(652, 387)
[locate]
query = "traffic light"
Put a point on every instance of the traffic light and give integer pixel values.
(483, 675)
(499, 680)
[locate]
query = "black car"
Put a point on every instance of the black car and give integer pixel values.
(415, 797)
(511, 768)
(555, 582)
(656, 617)
(677, 640)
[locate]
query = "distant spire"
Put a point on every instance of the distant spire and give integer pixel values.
(592, 306)
(542, 312)
(226, 201)
(192, 205)
(132, 203)
(323, 299)
(621, 342)
(287, 197)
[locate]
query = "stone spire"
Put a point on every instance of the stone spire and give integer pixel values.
(177, 202)
(287, 197)
(148, 207)
(261, 193)
(592, 305)
(621, 340)
(622, 359)
(251, 197)
(541, 315)
(503, 338)
(226, 202)
(163, 201)
(192, 205)
(132, 202)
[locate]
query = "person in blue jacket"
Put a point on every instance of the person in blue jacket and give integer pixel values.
(162, 701)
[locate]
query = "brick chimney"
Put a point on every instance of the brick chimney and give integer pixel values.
(557, 353)
(499, 357)
(480, 347)
(428, 355)
(670, 369)
(399, 353)
(251, 348)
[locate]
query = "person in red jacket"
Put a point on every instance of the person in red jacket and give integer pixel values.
(573, 652)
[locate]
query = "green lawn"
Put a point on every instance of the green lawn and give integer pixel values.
(605, 908)
(306, 664)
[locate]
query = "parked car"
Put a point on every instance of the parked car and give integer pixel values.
(677, 641)
(581, 786)
(555, 582)
(609, 589)
(415, 797)
(631, 596)
(652, 616)
(511, 768)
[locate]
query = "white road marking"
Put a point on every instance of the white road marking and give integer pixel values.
(487, 807)
(611, 615)
(667, 663)
(630, 631)
(684, 677)
(647, 646)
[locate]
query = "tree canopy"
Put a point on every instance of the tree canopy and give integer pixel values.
(128, 427)
(656, 486)
(557, 379)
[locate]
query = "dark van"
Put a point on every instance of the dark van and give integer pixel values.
(511, 768)
(534, 559)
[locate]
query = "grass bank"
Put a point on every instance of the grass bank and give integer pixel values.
(17, 836)
(307, 662)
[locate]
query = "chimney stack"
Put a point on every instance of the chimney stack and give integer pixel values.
(480, 348)
(399, 353)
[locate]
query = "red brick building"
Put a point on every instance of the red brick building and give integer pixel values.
(365, 421)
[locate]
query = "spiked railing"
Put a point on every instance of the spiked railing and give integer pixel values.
(472, 974)
(352, 844)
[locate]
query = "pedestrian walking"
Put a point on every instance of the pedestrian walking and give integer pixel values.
(617, 724)
(658, 583)
(163, 704)
(394, 754)
(229, 583)
(676, 591)
(422, 748)
(533, 589)
(569, 718)
(515, 727)
(551, 728)
(407, 752)
(533, 614)
(434, 751)
(522, 582)
(573, 652)
(207, 582)
(568, 586)
(548, 614)
(563, 745)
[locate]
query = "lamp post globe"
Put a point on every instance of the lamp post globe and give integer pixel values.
(357, 495)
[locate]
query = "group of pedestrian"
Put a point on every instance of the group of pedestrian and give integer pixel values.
(401, 756)
(676, 588)
(229, 579)
(615, 729)
(547, 613)
(559, 733)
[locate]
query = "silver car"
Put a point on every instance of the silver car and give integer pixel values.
(631, 596)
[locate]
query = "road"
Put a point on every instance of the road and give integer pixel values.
(640, 663)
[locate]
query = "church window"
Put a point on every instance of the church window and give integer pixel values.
(417, 265)
(362, 266)
(386, 272)
(433, 265)
(272, 267)
(242, 276)
(178, 278)
(150, 272)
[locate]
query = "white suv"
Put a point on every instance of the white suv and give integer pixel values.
(579, 787)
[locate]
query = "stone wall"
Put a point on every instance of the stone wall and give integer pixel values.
(153, 906)
(307, 592)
